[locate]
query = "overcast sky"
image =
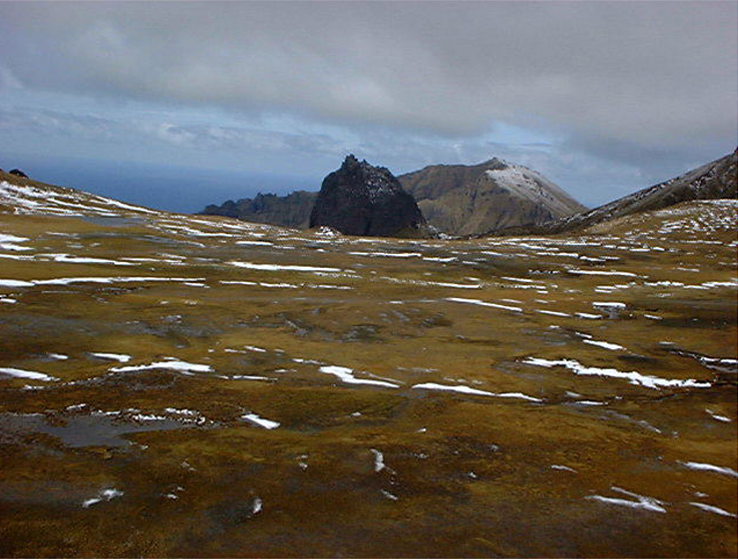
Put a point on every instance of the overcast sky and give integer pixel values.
(603, 98)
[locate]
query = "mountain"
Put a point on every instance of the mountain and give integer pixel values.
(715, 180)
(496, 197)
(465, 200)
(361, 199)
(292, 210)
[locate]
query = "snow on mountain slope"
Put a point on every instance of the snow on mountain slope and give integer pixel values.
(715, 180)
(467, 200)
(34, 197)
(531, 185)
(23, 196)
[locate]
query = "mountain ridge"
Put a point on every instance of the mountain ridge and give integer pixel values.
(714, 180)
(291, 210)
(452, 204)
(475, 206)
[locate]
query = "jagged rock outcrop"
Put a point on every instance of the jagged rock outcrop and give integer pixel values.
(714, 180)
(292, 210)
(361, 199)
(18, 173)
(473, 199)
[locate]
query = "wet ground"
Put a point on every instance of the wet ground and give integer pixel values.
(191, 386)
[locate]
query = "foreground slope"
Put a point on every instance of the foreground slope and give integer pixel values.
(195, 386)
(467, 200)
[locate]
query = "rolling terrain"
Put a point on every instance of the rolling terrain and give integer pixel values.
(176, 385)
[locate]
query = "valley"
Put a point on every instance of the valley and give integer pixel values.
(186, 386)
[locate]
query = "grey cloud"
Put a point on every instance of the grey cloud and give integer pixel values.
(646, 74)
(208, 137)
(628, 93)
(159, 138)
(46, 122)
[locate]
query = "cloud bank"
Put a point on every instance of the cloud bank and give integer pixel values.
(645, 86)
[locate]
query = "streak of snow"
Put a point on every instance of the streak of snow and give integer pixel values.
(347, 375)
(278, 267)
(483, 304)
(22, 373)
(606, 345)
(641, 502)
(714, 510)
(260, 421)
(633, 377)
(119, 357)
(104, 495)
(710, 468)
(171, 364)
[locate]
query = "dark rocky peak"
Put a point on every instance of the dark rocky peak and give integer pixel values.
(361, 199)
(363, 170)
(374, 181)
(18, 173)
(351, 163)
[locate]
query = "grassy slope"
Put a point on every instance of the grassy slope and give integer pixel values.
(472, 474)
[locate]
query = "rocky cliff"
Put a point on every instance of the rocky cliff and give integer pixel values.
(361, 199)
(292, 210)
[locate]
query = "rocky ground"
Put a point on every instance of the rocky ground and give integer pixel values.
(196, 386)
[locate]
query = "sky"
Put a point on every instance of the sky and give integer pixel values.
(177, 105)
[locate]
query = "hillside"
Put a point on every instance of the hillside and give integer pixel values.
(465, 200)
(715, 180)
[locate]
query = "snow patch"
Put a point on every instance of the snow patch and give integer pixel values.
(378, 460)
(260, 421)
(710, 468)
(483, 304)
(633, 377)
(119, 357)
(714, 510)
(347, 375)
(641, 502)
(22, 373)
(171, 364)
(104, 495)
